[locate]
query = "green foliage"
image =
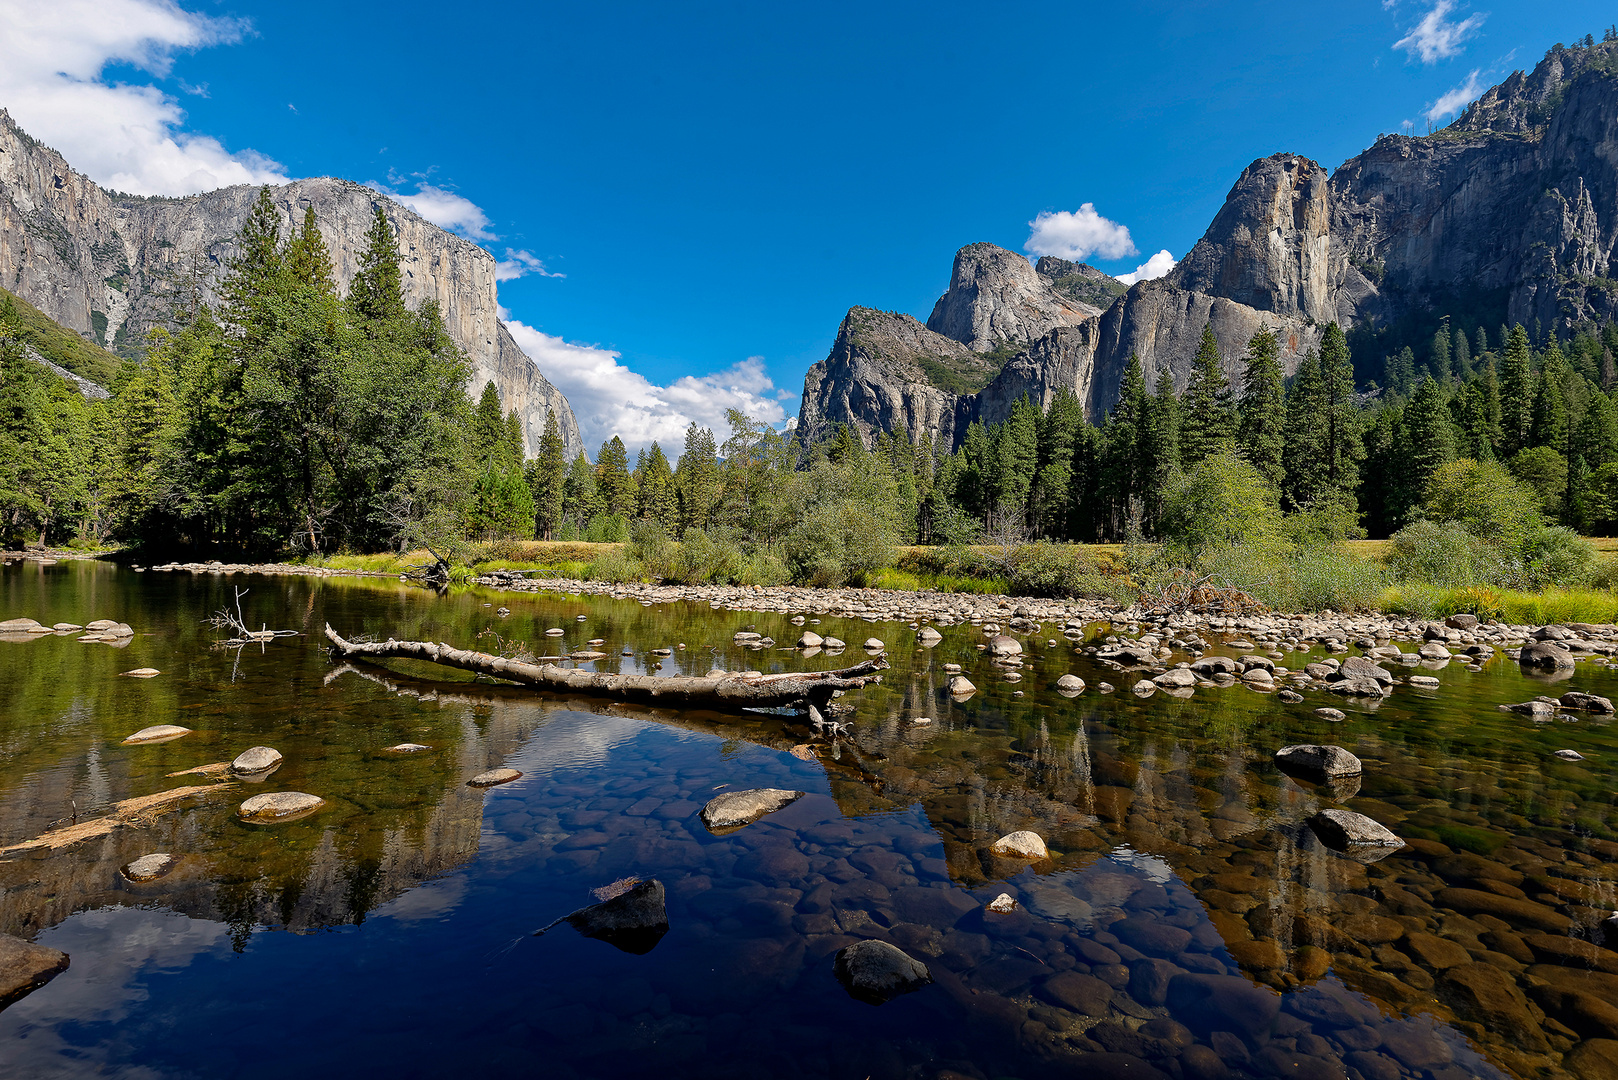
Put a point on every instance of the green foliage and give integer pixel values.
(1261, 408)
(607, 528)
(1208, 423)
(57, 344)
(1484, 499)
(1544, 471)
(1221, 502)
(614, 565)
(1554, 555)
(1434, 554)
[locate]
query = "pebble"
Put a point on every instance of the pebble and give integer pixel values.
(278, 806)
(1344, 830)
(1021, 844)
(494, 777)
(158, 733)
(141, 672)
(150, 867)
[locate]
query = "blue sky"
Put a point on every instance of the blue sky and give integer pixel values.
(690, 197)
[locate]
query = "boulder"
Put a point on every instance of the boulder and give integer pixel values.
(734, 809)
(1535, 708)
(1334, 715)
(1318, 760)
(961, 686)
(876, 972)
(928, 636)
(1545, 656)
(634, 921)
(1357, 688)
(494, 777)
(278, 806)
(1426, 682)
(158, 733)
(1021, 844)
(1589, 703)
(1354, 834)
(810, 640)
(835, 643)
(256, 759)
(1434, 651)
(1462, 622)
(1213, 665)
(874, 644)
(1003, 645)
(149, 867)
(1176, 677)
(1069, 685)
(1551, 633)
(25, 967)
(1291, 697)
(21, 626)
(1362, 667)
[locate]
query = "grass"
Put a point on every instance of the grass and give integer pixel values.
(62, 346)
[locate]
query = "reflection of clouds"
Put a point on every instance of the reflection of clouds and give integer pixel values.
(584, 740)
(113, 950)
(1153, 867)
(434, 900)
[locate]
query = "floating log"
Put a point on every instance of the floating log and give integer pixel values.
(731, 690)
(129, 812)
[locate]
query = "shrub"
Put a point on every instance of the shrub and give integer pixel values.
(841, 543)
(1056, 570)
(1444, 555)
(607, 529)
(709, 558)
(614, 565)
(657, 553)
(765, 566)
(1484, 499)
(1553, 555)
(1479, 600)
(1220, 502)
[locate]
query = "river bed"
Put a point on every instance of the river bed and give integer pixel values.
(1187, 924)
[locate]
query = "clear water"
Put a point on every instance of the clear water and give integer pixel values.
(1187, 925)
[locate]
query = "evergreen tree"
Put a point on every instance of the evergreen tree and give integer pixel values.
(308, 261)
(1461, 355)
(1059, 434)
(1516, 394)
(579, 500)
(1482, 343)
(1161, 449)
(1208, 422)
(1261, 409)
(1016, 457)
(1438, 358)
(377, 292)
(1122, 477)
(1386, 495)
(1305, 447)
(658, 501)
(1429, 435)
(615, 488)
(1343, 446)
(488, 423)
(1548, 422)
(696, 477)
(1596, 439)
(547, 478)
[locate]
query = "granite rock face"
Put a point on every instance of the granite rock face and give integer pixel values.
(111, 266)
(1512, 210)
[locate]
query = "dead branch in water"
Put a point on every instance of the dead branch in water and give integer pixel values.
(728, 691)
(225, 619)
(127, 812)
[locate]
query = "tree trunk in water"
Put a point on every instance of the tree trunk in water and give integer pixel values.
(730, 691)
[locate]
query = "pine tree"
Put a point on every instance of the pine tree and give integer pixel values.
(1597, 437)
(1122, 474)
(1461, 355)
(488, 423)
(1261, 409)
(1482, 343)
(696, 477)
(377, 291)
(1208, 422)
(1438, 358)
(1386, 493)
(1059, 433)
(1429, 434)
(615, 488)
(547, 479)
(658, 501)
(308, 261)
(1161, 449)
(1516, 394)
(1548, 422)
(1343, 446)
(579, 500)
(1305, 447)
(1016, 457)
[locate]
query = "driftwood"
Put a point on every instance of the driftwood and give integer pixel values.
(731, 690)
(129, 812)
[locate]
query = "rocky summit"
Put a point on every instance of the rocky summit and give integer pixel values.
(109, 266)
(1508, 211)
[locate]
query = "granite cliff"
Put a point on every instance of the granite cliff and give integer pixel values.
(111, 266)
(1510, 214)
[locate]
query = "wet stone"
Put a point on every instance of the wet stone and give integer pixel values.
(1021, 845)
(279, 806)
(876, 972)
(150, 867)
(1221, 1003)
(25, 967)
(733, 809)
(634, 921)
(494, 777)
(157, 733)
(1318, 760)
(1084, 994)
(256, 759)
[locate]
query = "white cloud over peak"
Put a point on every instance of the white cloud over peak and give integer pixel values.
(1455, 100)
(1151, 269)
(518, 264)
(444, 208)
(609, 399)
(1436, 37)
(124, 136)
(1075, 235)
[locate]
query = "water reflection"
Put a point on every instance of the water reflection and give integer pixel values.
(1187, 922)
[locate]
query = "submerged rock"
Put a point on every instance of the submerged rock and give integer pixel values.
(150, 867)
(1354, 834)
(1001, 905)
(876, 972)
(494, 777)
(734, 809)
(1021, 844)
(256, 759)
(158, 733)
(278, 806)
(25, 967)
(1318, 760)
(634, 921)
(408, 748)
(1535, 708)
(1589, 703)
(141, 673)
(1570, 755)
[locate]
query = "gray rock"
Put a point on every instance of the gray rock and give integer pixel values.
(1291, 697)
(1176, 677)
(1354, 834)
(1362, 667)
(1003, 645)
(1570, 755)
(961, 686)
(733, 809)
(494, 777)
(158, 733)
(1335, 715)
(1426, 682)
(1531, 708)
(1357, 688)
(876, 972)
(634, 921)
(150, 867)
(256, 759)
(25, 967)
(21, 626)
(1021, 844)
(278, 806)
(1462, 622)
(408, 748)
(928, 636)
(1314, 759)
(1590, 703)
(874, 645)
(1434, 651)
(1544, 655)
(810, 640)
(1070, 685)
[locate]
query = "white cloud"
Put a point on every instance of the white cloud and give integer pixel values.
(518, 264)
(126, 136)
(1152, 268)
(610, 399)
(444, 208)
(1076, 235)
(1435, 37)
(1456, 100)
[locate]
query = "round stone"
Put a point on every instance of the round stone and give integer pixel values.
(961, 686)
(494, 777)
(1069, 685)
(1021, 844)
(158, 733)
(141, 673)
(278, 806)
(408, 748)
(150, 867)
(876, 972)
(810, 640)
(874, 644)
(256, 759)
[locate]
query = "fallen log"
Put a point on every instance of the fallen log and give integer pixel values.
(730, 690)
(129, 812)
